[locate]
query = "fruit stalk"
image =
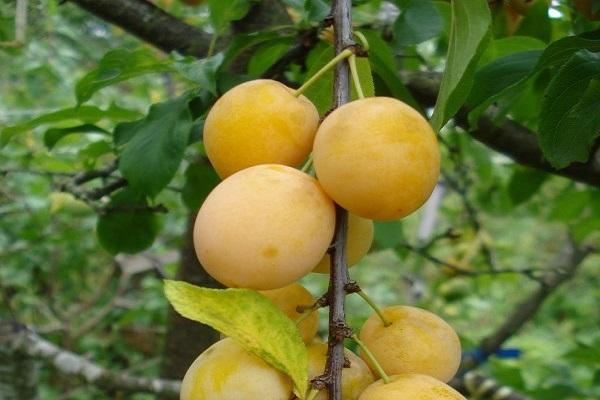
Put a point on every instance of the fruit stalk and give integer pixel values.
(338, 330)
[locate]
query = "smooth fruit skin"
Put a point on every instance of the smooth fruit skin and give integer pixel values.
(264, 227)
(259, 122)
(225, 371)
(358, 243)
(287, 299)
(377, 157)
(354, 379)
(410, 387)
(417, 341)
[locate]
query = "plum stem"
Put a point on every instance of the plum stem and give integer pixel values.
(332, 63)
(372, 359)
(375, 307)
(355, 78)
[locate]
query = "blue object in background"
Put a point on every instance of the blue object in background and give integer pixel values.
(505, 353)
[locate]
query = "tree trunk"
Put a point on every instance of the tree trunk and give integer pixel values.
(186, 339)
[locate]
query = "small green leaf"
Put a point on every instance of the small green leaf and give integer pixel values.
(469, 35)
(497, 78)
(388, 234)
(117, 66)
(267, 54)
(524, 183)
(241, 43)
(200, 179)
(83, 114)
(203, 72)
(417, 23)
(536, 22)
(251, 320)
(570, 117)
(125, 227)
(224, 12)
(508, 45)
(365, 77)
(156, 145)
(53, 135)
(321, 92)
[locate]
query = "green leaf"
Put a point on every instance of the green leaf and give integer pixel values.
(84, 114)
(417, 23)
(524, 183)
(202, 72)
(153, 154)
(508, 45)
(241, 43)
(469, 35)
(388, 234)
(496, 78)
(569, 205)
(365, 77)
(224, 12)
(117, 66)
(251, 320)
(384, 65)
(200, 179)
(570, 117)
(505, 76)
(125, 227)
(267, 54)
(536, 22)
(53, 135)
(321, 92)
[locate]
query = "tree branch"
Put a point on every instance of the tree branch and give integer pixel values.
(339, 279)
(151, 24)
(21, 339)
(510, 138)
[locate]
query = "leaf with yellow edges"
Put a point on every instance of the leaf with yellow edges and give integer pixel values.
(251, 320)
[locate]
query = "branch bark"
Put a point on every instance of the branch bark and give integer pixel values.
(339, 279)
(151, 24)
(23, 340)
(510, 138)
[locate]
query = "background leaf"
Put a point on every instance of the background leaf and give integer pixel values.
(154, 152)
(117, 66)
(53, 135)
(469, 35)
(223, 12)
(86, 114)
(570, 116)
(251, 320)
(124, 227)
(418, 22)
(200, 179)
(203, 72)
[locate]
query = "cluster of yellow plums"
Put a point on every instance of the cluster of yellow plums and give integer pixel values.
(268, 224)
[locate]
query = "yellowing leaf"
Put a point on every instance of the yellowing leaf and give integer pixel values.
(251, 320)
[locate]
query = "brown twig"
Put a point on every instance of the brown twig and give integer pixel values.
(338, 281)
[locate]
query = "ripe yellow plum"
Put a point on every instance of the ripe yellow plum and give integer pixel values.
(410, 387)
(225, 371)
(354, 379)
(259, 122)
(264, 227)
(377, 157)
(358, 243)
(287, 299)
(416, 341)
